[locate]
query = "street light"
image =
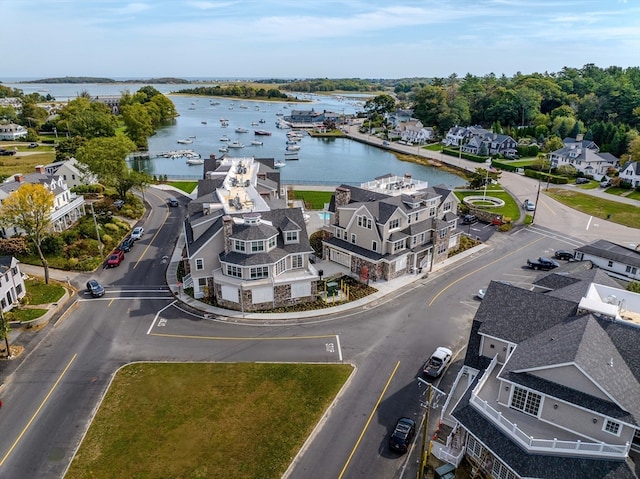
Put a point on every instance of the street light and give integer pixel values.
(486, 180)
(425, 425)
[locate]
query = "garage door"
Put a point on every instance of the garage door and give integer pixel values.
(230, 293)
(300, 290)
(341, 258)
(262, 294)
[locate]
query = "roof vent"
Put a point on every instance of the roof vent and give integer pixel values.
(611, 362)
(611, 299)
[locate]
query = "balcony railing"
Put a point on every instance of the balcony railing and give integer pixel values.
(64, 209)
(548, 446)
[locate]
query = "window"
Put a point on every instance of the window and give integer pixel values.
(631, 270)
(19, 288)
(610, 264)
(500, 471)
(447, 206)
(474, 448)
(259, 272)
(374, 246)
(296, 261)
(432, 212)
(199, 264)
(394, 224)
(442, 248)
(257, 246)
(525, 401)
(291, 237)
(238, 245)
(235, 271)
(281, 266)
(353, 238)
(398, 246)
(612, 427)
(272, 242)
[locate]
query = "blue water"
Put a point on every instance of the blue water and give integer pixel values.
(321, 160)
(324, 215)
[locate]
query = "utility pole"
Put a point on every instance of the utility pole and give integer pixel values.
(424, 451)
(5, 332)
(95, 223)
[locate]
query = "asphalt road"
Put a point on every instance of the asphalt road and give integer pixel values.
(51, 397)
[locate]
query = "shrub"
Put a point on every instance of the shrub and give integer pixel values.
(112, 227)
(69, 236)
(18, 245)
(52, 245)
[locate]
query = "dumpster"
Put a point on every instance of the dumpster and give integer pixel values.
(332, 288)
(448, 471)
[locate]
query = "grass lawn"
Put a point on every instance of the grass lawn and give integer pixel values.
(24, 314)
(628, 215)
(433, 147)
(510, 210)
(592, 185)
(634, 195)
(40, 293)
(313, 200)
(25, 164)
(206, 420)
(186, 186)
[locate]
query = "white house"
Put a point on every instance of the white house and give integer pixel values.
(413, 131)
(71, 173)
(12, 287)
(631, 174)
(584, 156)
(67, 207)
(12, 131)
(616, 260)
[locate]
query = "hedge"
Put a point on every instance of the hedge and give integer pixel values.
(503, 165)
(466, 156)
(542, 176)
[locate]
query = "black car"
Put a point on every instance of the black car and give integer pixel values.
(542, 263)
(582, 181)
(469, 219)
(126, 244)
(563, 254)
(95, 288)
(402, 435)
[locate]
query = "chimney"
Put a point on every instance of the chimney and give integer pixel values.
(579, 137)
(40, 169)
(19, 177)
(342, 198)
(227, 230)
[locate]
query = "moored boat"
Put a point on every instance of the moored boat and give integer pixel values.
(195, 161)
(262, 132)
(235, 144)
(257, 143)
(279, 164)
(241, 130)
(185, 141)
(293, 147)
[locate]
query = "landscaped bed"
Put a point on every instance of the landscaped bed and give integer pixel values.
(206, 420)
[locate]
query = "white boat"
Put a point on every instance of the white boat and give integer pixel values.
(223, 149)
(235, 144)
(279, 164)
(257, 143)
(195, 161)
(185, 141)
(224, 138)
(293, 148)
(241, 130)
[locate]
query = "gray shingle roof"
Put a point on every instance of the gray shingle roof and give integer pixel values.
(608, 250)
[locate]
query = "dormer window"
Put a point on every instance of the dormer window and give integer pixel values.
(364, 222)
(393, 224)
(257, 246)
(239, 246)
(291, 237)
(398, 246)
(272, 243)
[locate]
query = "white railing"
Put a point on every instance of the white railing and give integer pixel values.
(446, 455)
(486, 375)
(187, 281)
(579, 448)
(64, 209)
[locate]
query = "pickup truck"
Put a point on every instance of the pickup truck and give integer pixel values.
(542, 263)
(437, 362)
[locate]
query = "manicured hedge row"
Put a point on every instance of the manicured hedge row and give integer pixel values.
(466, 156)
(542, 176)
(503, 165)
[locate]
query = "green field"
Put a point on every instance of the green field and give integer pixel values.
(186, 186)
(628, 215)
(510, 210)
(232, 421)
(313, 200)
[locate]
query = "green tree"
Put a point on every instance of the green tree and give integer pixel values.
(138, 123)
(106, 158)
(8, 113)
(83, 117)
(634, 286)
(31, 115)
(67, 147)
(29, 209)
(552, 144)
(479, 177)
(380, 104)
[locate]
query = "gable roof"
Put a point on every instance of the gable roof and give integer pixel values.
(608, 250)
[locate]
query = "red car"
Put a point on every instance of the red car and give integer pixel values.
(115, 258)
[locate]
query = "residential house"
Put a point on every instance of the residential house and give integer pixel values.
(618, 261)
(67, 207)
(12, 288)
(458, 135)
(112, 101)
(391, 226)
(413, 132)
(631, 174)
(71, 173)
(12, 131)
(491, 144)
(244, 248)
(550, 382)
(584, 156)
(398, 116)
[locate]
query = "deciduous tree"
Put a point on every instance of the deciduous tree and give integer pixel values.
(29, 209)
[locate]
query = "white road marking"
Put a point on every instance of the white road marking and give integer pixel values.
(157, 315)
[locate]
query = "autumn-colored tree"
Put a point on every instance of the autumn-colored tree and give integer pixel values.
(29, 210)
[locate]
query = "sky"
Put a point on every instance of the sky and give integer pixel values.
(313, 39)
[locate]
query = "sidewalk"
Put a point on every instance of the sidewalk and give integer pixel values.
(385, 289)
